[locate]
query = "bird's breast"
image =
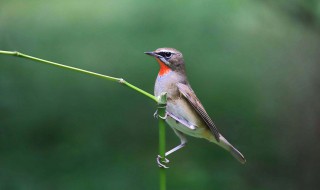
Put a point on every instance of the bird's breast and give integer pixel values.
(166, 83)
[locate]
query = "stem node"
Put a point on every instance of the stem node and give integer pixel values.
(16, 53)
(121, 81)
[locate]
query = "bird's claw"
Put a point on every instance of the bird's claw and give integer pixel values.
(161, 162)
(164, 117)
(156, 115)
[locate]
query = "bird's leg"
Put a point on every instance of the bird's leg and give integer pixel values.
(183, 140)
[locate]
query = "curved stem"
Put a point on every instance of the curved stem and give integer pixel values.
(120, 80)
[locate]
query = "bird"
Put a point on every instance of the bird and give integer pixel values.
(184, 112)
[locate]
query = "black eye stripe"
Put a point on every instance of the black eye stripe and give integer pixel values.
(165, 54)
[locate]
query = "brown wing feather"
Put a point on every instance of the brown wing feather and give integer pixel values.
(188, 93)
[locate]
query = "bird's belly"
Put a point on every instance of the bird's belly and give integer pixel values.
(195, 132)
(184, 118)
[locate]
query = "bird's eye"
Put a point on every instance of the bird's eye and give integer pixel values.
(167, 54)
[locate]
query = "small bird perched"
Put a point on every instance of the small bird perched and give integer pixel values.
(184, 112)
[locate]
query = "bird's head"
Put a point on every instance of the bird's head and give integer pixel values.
(169, 59)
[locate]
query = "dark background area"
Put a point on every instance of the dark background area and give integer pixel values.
(254, 65)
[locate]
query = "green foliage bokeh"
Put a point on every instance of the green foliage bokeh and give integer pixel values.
(253, 64)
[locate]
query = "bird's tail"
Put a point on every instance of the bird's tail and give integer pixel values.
(234, 152)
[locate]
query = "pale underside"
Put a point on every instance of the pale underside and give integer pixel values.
(182, 117)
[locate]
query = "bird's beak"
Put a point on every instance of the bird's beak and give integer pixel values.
(151, 53)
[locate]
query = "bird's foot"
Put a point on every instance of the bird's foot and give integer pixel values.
(162, 161)
(163, 117)
(156, 115)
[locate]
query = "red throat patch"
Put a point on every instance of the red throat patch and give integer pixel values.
(164, 69)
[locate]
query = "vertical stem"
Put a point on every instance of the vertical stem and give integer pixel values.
(162, 139)
(162, 150)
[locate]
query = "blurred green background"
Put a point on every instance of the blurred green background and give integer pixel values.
(254, 65)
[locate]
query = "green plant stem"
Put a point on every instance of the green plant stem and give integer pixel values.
(162, 148)
(120, 80)
(161, 102)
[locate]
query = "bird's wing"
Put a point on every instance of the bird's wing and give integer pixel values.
(188, 93)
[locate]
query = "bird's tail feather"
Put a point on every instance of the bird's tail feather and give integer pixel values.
(234, 152)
